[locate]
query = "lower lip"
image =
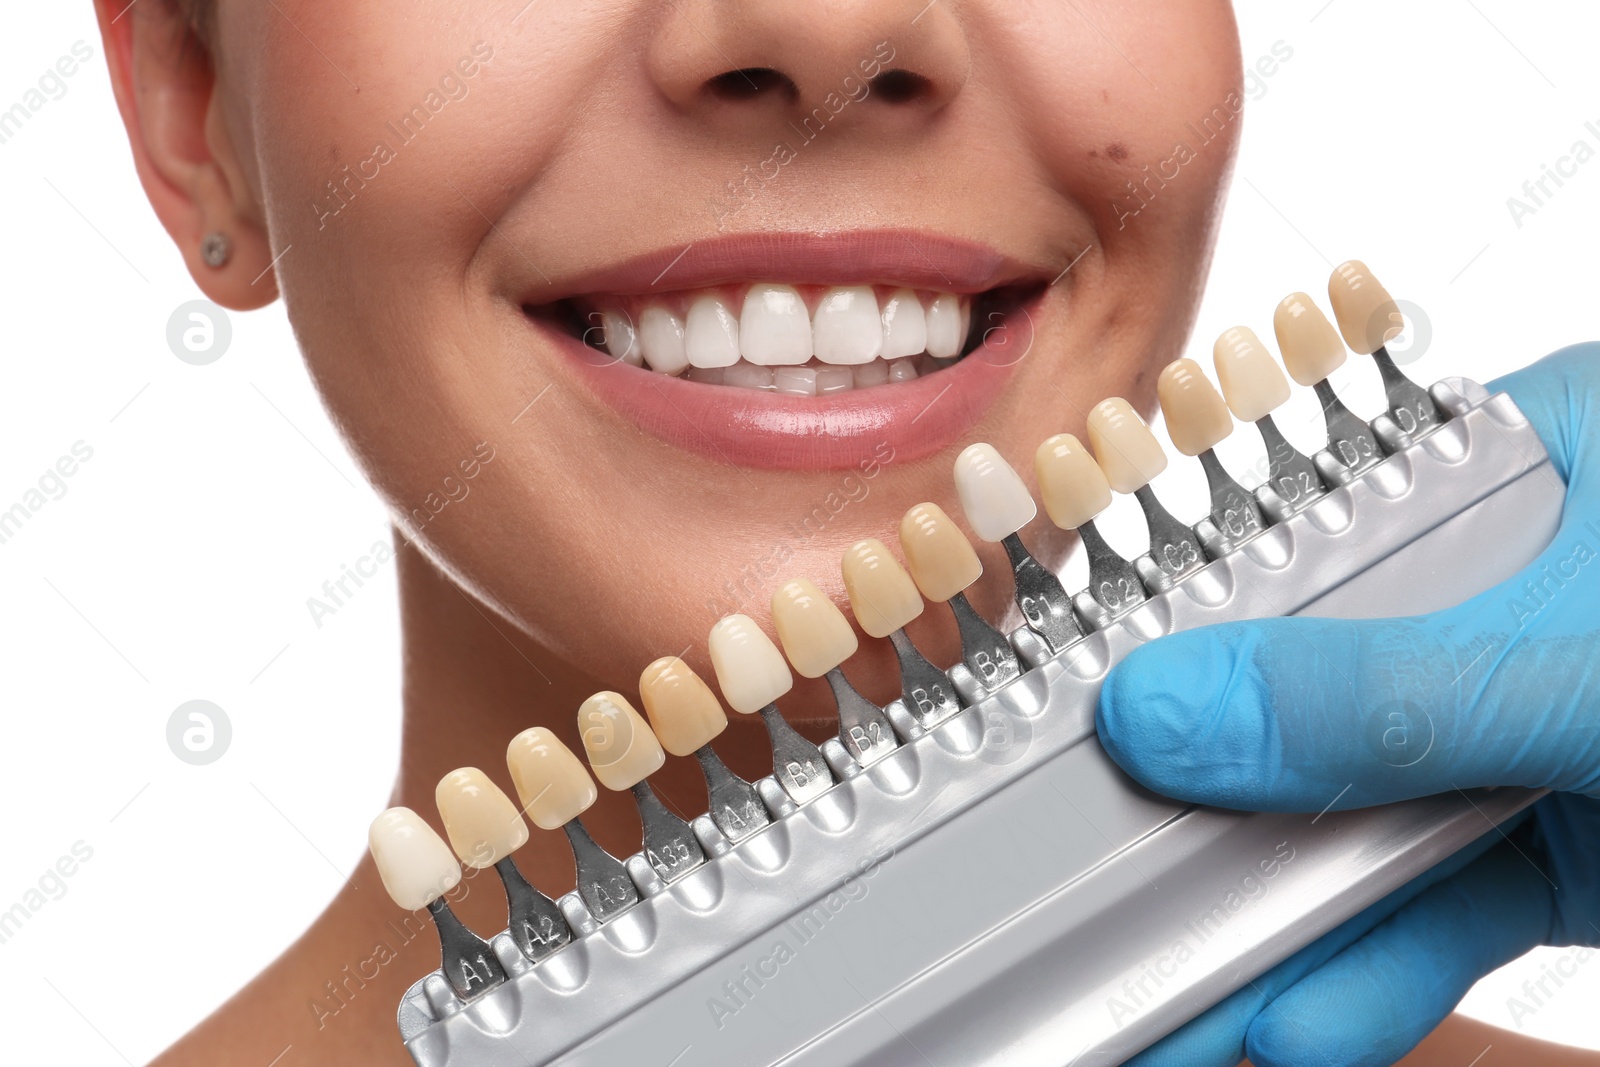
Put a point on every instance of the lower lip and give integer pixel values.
(750, 428)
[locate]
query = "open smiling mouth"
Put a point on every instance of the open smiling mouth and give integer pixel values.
(796, 340)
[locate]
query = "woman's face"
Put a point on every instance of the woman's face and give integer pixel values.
(468, 200)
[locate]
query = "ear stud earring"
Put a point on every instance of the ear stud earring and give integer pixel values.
(215, 248)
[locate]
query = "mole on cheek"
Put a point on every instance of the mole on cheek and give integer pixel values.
(1117, 151)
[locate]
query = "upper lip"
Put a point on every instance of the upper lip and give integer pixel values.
(912, 258)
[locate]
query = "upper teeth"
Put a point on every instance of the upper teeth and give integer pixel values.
(771, 325)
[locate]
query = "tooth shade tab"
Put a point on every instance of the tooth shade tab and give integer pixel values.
(711, 333)
(1123, 445)
(774, 329)
(683, 711)
(551, 782)
(1310, 346)
(939, 556)
(846, 329)
(882, 595)
(905, 327)
(996, 502)
(1368, 316)
(415, 864)
(1073, 486)
(1252, 383)
(483, 825)
(621, 748)
(661, 340)
(1197, 416)
(750, 670)
(815, 635)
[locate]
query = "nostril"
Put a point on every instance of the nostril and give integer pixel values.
(901, 86)
(750, 82)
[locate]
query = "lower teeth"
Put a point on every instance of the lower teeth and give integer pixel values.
(817, 379)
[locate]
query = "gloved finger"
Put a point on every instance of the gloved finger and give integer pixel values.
(1374, 1001)
(1217, 1038)
(1292, 714)
(1557, 394)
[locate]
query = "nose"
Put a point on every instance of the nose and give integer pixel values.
(724, 61)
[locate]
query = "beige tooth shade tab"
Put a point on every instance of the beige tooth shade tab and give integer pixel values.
(551, 782)
(483, 825)
(416, 866)
(621, 749)
(1124, 446)
(1197, 416)
(1367, 314)
(939, 556)
(996, 502)
(1310, 345)
(1251, 379)
(750, 670)
(815, 635)
(1071, 483)
(882, 595)
(683, 710)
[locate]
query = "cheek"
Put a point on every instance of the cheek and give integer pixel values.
(1136, 110)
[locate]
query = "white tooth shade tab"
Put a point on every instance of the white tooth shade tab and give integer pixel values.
(996, 501)
(846, 329)
(774, 329)
(1251, 381)
(944, 326)
(750, 670)
(711, 333)
(413, 861)
(661, 340)
(905, 327)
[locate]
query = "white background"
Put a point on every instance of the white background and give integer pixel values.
(178, 563)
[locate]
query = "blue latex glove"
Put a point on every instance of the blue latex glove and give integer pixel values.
(1278, 715)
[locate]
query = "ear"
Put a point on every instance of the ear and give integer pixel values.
(166, 90)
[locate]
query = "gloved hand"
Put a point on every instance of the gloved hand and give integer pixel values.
(1278, 715)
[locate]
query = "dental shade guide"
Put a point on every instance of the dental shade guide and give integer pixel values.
(418, 869)
(1254, 387)
(555, 789)
(484, 829)
(1369, 318)
(1312, 350)
(943, 565)
(1075, 490)
(623, 753)
(884, 600)
(686, 716)
(817, 638)
(990, 880)
(1197, 421)
(1130, 456)
(752, 675)
(998, 505)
